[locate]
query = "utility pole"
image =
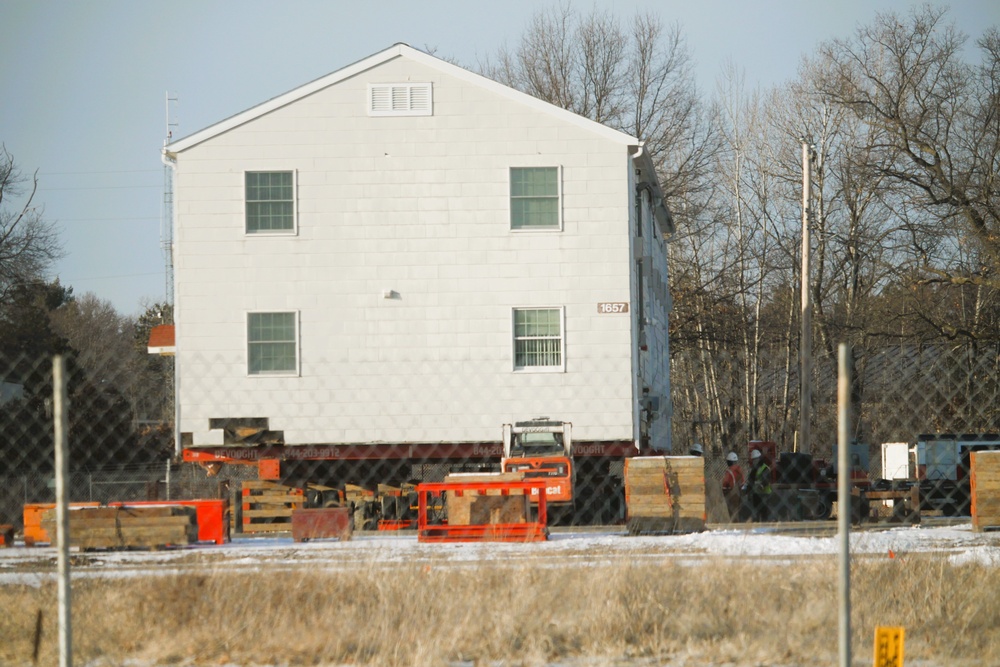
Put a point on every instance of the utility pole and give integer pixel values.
(805, 344)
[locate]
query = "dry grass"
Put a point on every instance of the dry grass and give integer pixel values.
(729, 613)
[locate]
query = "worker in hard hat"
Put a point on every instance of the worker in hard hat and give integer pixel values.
(759, 487)
(696, 450)
(732, 485)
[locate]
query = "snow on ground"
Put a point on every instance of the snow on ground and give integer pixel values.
(958, 543)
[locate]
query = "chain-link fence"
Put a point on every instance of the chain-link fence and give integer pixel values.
(919, 412)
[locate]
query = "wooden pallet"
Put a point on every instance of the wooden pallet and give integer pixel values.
(985, 488)
(128, 527)
(665, 494)
(266, 507)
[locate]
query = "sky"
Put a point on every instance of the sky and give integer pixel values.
(84, 87)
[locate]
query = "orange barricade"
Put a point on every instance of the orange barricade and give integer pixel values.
(33, 531)
(529, 531)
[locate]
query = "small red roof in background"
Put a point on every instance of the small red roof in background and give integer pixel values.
(161, 339)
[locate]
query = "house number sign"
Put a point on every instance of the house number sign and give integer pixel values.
(612, 307)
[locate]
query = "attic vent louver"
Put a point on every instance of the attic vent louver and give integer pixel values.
(399, 99)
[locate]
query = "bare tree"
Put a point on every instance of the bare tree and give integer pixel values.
(637, 79)
(938, 124)
(28, 243)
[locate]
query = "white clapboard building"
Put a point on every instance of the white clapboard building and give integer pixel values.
(404, 251)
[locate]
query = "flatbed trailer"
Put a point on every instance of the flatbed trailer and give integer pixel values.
(598, 484)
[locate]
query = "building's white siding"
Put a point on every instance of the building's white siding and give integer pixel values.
(418, 205)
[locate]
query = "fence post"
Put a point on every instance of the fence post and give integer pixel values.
(844, 499)
(60, 419)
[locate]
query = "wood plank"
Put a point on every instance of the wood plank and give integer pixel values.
(262, 501)
(639, 506)
(267, 485)
(661, 474)
(267, 493)
(639, 509)
(678, 491)
(133, 532)
(109, 537)
(693, 510)
(121, 512)
(267, 527)
(266, 514)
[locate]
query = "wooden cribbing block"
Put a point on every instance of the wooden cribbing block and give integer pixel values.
(984, 484)
(128, 527)
(488, 507)
(665, 493)
(266, 507)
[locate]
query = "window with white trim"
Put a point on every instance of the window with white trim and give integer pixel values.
(534, 198)
(272, 343)
(538, 339)
(400, 99)
(270, 202)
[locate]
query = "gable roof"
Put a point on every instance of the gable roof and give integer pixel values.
(161, 340)
(395, 51)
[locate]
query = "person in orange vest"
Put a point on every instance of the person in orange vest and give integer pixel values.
(732, 485)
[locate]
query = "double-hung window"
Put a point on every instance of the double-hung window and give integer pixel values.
(270, 202)
(272, 343)
(539, 340)
(534, 198)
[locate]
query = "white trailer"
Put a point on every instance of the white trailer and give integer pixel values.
(946, 455)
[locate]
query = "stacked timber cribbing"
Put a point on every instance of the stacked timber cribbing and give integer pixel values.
(127, 527)
(266, 507)
(985, 489)
(489, 507)
(665, 494)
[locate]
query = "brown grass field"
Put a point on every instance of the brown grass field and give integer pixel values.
(714, 612)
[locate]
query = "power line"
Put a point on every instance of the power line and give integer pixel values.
(87, 173)
(101, 187)
(127, 219)
(67, 281)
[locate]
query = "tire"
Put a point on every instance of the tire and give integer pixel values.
(824, 508)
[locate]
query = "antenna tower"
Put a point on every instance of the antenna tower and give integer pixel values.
(167, 219)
